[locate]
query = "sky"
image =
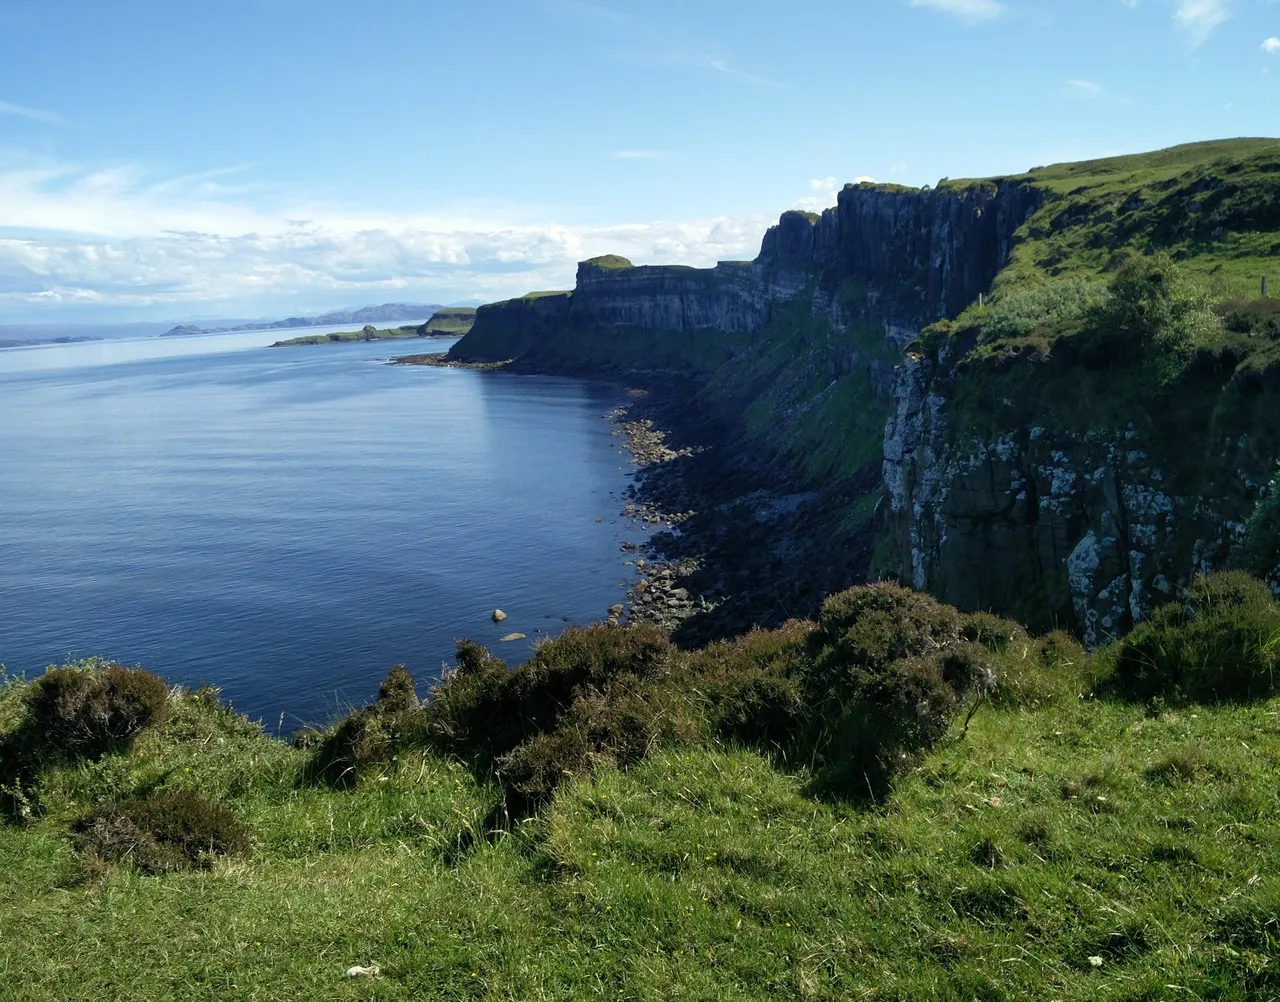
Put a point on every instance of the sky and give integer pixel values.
(260, 158)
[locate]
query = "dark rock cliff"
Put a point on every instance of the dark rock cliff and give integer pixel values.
(920, 254)
(800, 357)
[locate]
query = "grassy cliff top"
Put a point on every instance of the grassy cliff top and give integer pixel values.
(609, 262)
(1214, 207)
(1069, 839)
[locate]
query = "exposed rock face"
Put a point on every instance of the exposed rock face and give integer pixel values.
(508, 329)
(803, 349)
(1092, 526)
(920, 254)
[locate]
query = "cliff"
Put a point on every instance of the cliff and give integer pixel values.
(974, 478)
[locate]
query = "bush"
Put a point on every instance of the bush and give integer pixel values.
(1260, 549)
(1220, 643)
(366, 737)
(889, 670)
(1052, 304)
(1150, 305)
(484, 711)
(79, 711)
(170, 832)
(1255, 317)
(752, 686)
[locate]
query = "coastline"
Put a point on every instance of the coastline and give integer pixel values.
(734, 544)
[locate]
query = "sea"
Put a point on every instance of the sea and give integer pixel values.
(288, 523)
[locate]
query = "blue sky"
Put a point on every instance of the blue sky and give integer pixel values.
(259, 157)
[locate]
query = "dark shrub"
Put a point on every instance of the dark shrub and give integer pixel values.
(1260, 548)
(966, 668)
(80, 711)
(534, 770)
(1255, 317)
(992, 632)
(397, 693)
(865, 629)
(169, 832)
(889, 669)
(874, 732)
(484, 711)
(366, 737)
(1220, 643)
(752, 685)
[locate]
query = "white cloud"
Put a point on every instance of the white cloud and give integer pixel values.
(968, 10)
(113, 237)
(1272, 44)
(722, 67)
(899, 168)
(48, 117)
(1198, 18)
(1086, 88)
(824, 184)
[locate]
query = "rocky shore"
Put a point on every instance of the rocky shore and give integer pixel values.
(728, 543)
(726, 552)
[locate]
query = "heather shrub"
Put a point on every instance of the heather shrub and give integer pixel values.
(751, 687)
(366, 737)
(86, 711)
(1219, 643)
(484, 711)
(171, 832)
(889, 669)
(864, 629)
(1260, 549)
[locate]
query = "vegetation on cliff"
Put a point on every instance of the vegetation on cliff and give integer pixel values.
(450, 322)
(895, 801)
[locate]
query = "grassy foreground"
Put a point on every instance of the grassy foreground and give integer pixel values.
(1071, 843)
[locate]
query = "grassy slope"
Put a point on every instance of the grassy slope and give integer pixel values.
(453, 322)
(1044, 837)
(1214, 206)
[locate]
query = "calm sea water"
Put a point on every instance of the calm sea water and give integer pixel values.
(287, 523)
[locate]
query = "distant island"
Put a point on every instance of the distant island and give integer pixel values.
(448, 322)
(29, 342)
(386, 313)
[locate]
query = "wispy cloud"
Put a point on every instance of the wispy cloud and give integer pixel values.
(968, 10)
(1272, 44)
(638, 154)
(1198, 18)
(35, 114)
(1086, 88)
(720, 66)
(114, 237)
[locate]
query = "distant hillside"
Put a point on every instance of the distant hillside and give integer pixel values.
(365, 315)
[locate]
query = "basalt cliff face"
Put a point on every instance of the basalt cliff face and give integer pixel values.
(916, 255)
(965, 479)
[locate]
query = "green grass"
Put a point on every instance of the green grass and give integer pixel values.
(391, 334)
(1148, 838)
(610, 262)
(1214, 207)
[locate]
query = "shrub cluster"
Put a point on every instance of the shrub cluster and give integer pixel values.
(878, 679)
(367, 736)
(171, 832)
(87, 712)
(591, 693)
(889, 669)
(1222, 642)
